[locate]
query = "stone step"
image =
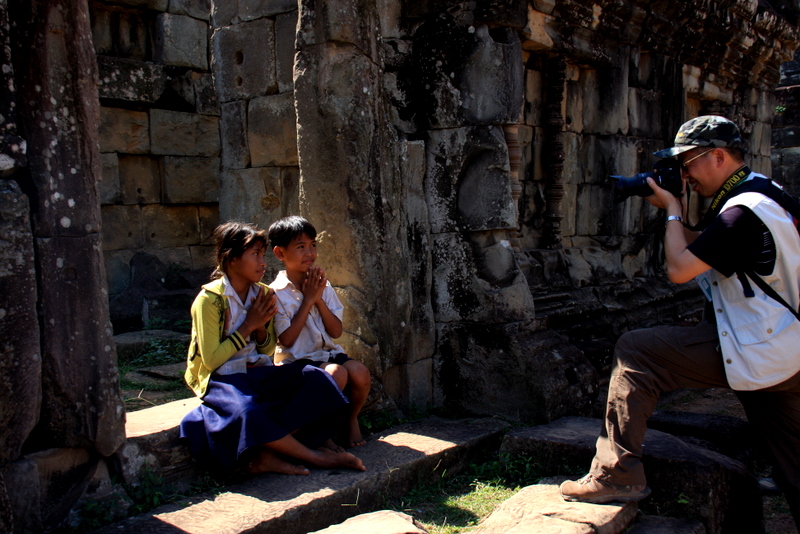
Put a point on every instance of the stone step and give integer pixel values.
(397, 460)
(685, 479)
(539, 508)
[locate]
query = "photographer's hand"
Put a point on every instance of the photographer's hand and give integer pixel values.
(663, 199)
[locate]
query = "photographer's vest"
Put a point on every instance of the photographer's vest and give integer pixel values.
(758, 336)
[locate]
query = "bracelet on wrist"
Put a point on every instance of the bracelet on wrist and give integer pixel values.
(674, 218)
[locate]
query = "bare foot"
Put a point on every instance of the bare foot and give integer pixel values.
(356, 439)
(267, 462)
(329, 444)
(329, 459)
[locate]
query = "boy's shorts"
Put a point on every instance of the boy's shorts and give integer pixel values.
(338, 359)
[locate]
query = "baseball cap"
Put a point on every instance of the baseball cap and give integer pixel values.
(706, 131)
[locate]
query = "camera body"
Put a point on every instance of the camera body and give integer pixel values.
(666, 173)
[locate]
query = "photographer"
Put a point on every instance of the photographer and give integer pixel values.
(748, 340)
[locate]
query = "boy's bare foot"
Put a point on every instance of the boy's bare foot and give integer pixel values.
(267, 462)
(329, 444)
(329, 459)
(356, 439)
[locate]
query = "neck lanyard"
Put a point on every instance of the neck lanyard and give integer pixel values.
(717, 202)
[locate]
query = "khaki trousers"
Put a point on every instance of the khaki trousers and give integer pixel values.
(654, 360)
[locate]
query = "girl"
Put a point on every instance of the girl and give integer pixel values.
(254, 413)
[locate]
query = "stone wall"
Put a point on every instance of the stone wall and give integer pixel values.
(160, 153)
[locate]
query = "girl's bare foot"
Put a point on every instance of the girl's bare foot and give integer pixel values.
(329, 444)
(355, 439)
(267, 462)
(329, 459)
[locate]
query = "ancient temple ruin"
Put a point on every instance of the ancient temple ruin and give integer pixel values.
(453, 154)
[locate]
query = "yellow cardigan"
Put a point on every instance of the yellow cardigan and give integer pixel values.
(210, 318)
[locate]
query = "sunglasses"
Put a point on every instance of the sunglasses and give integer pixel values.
(685, 164)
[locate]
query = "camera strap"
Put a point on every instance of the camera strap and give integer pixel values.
(767, 188)
(734, 180)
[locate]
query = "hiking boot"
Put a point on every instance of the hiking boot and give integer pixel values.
(591, 490)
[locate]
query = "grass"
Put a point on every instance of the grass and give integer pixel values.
(458, 503)
(156, 352)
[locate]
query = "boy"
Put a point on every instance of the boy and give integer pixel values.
(310, 315)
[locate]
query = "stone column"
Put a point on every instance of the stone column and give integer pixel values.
(55, 69)
(352, 188)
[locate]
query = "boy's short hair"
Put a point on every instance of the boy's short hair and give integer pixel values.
(282, 231)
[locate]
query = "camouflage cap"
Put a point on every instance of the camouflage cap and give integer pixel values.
(709, 131)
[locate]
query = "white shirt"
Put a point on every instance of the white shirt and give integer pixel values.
(238, 313)
(313, 343)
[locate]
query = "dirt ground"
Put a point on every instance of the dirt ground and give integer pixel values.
(777, 518)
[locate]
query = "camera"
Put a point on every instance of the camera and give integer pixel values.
(666, 173)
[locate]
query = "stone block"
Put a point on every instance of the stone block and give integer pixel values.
(474, 78)
(82, 406)
(467, 182)
(153, 443)
(786, 137)
(108, 187)
(118, 270)
(203, 257)
(390, 13)
(155, 5)
(130, 80)
(252, 195)
(410, 384)
(540, 508)
(199, 9)
(720, 492)
(181, 41)
(256, 9)
(533, 97)
(170, 226)
(122, 227)
(20, 356)
(285, 34)
(123, 130)
(101, 33)
(22, 485)
(208, 216)
(351, 22)
(233, 135)
(140, 179)
(644, 113)
(64, 475)
(543, 376)
(174, 133)
(197, 90)
(222, 14)
(290, 190)
(243, 60)
(191, 180)
(272, 131)
(383, 521)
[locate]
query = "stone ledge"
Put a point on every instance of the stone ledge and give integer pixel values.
(540, 508)
(397, 460)
(690, 480)
(152, 443)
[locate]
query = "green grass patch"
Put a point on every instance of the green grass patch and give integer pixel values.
(457, 503)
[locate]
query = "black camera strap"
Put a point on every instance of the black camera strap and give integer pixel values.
(786, 201)
(734, 182)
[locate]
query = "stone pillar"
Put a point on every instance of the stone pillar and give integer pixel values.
(353, 190)
(55, 69)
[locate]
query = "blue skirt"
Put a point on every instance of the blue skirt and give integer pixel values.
(244, 410)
